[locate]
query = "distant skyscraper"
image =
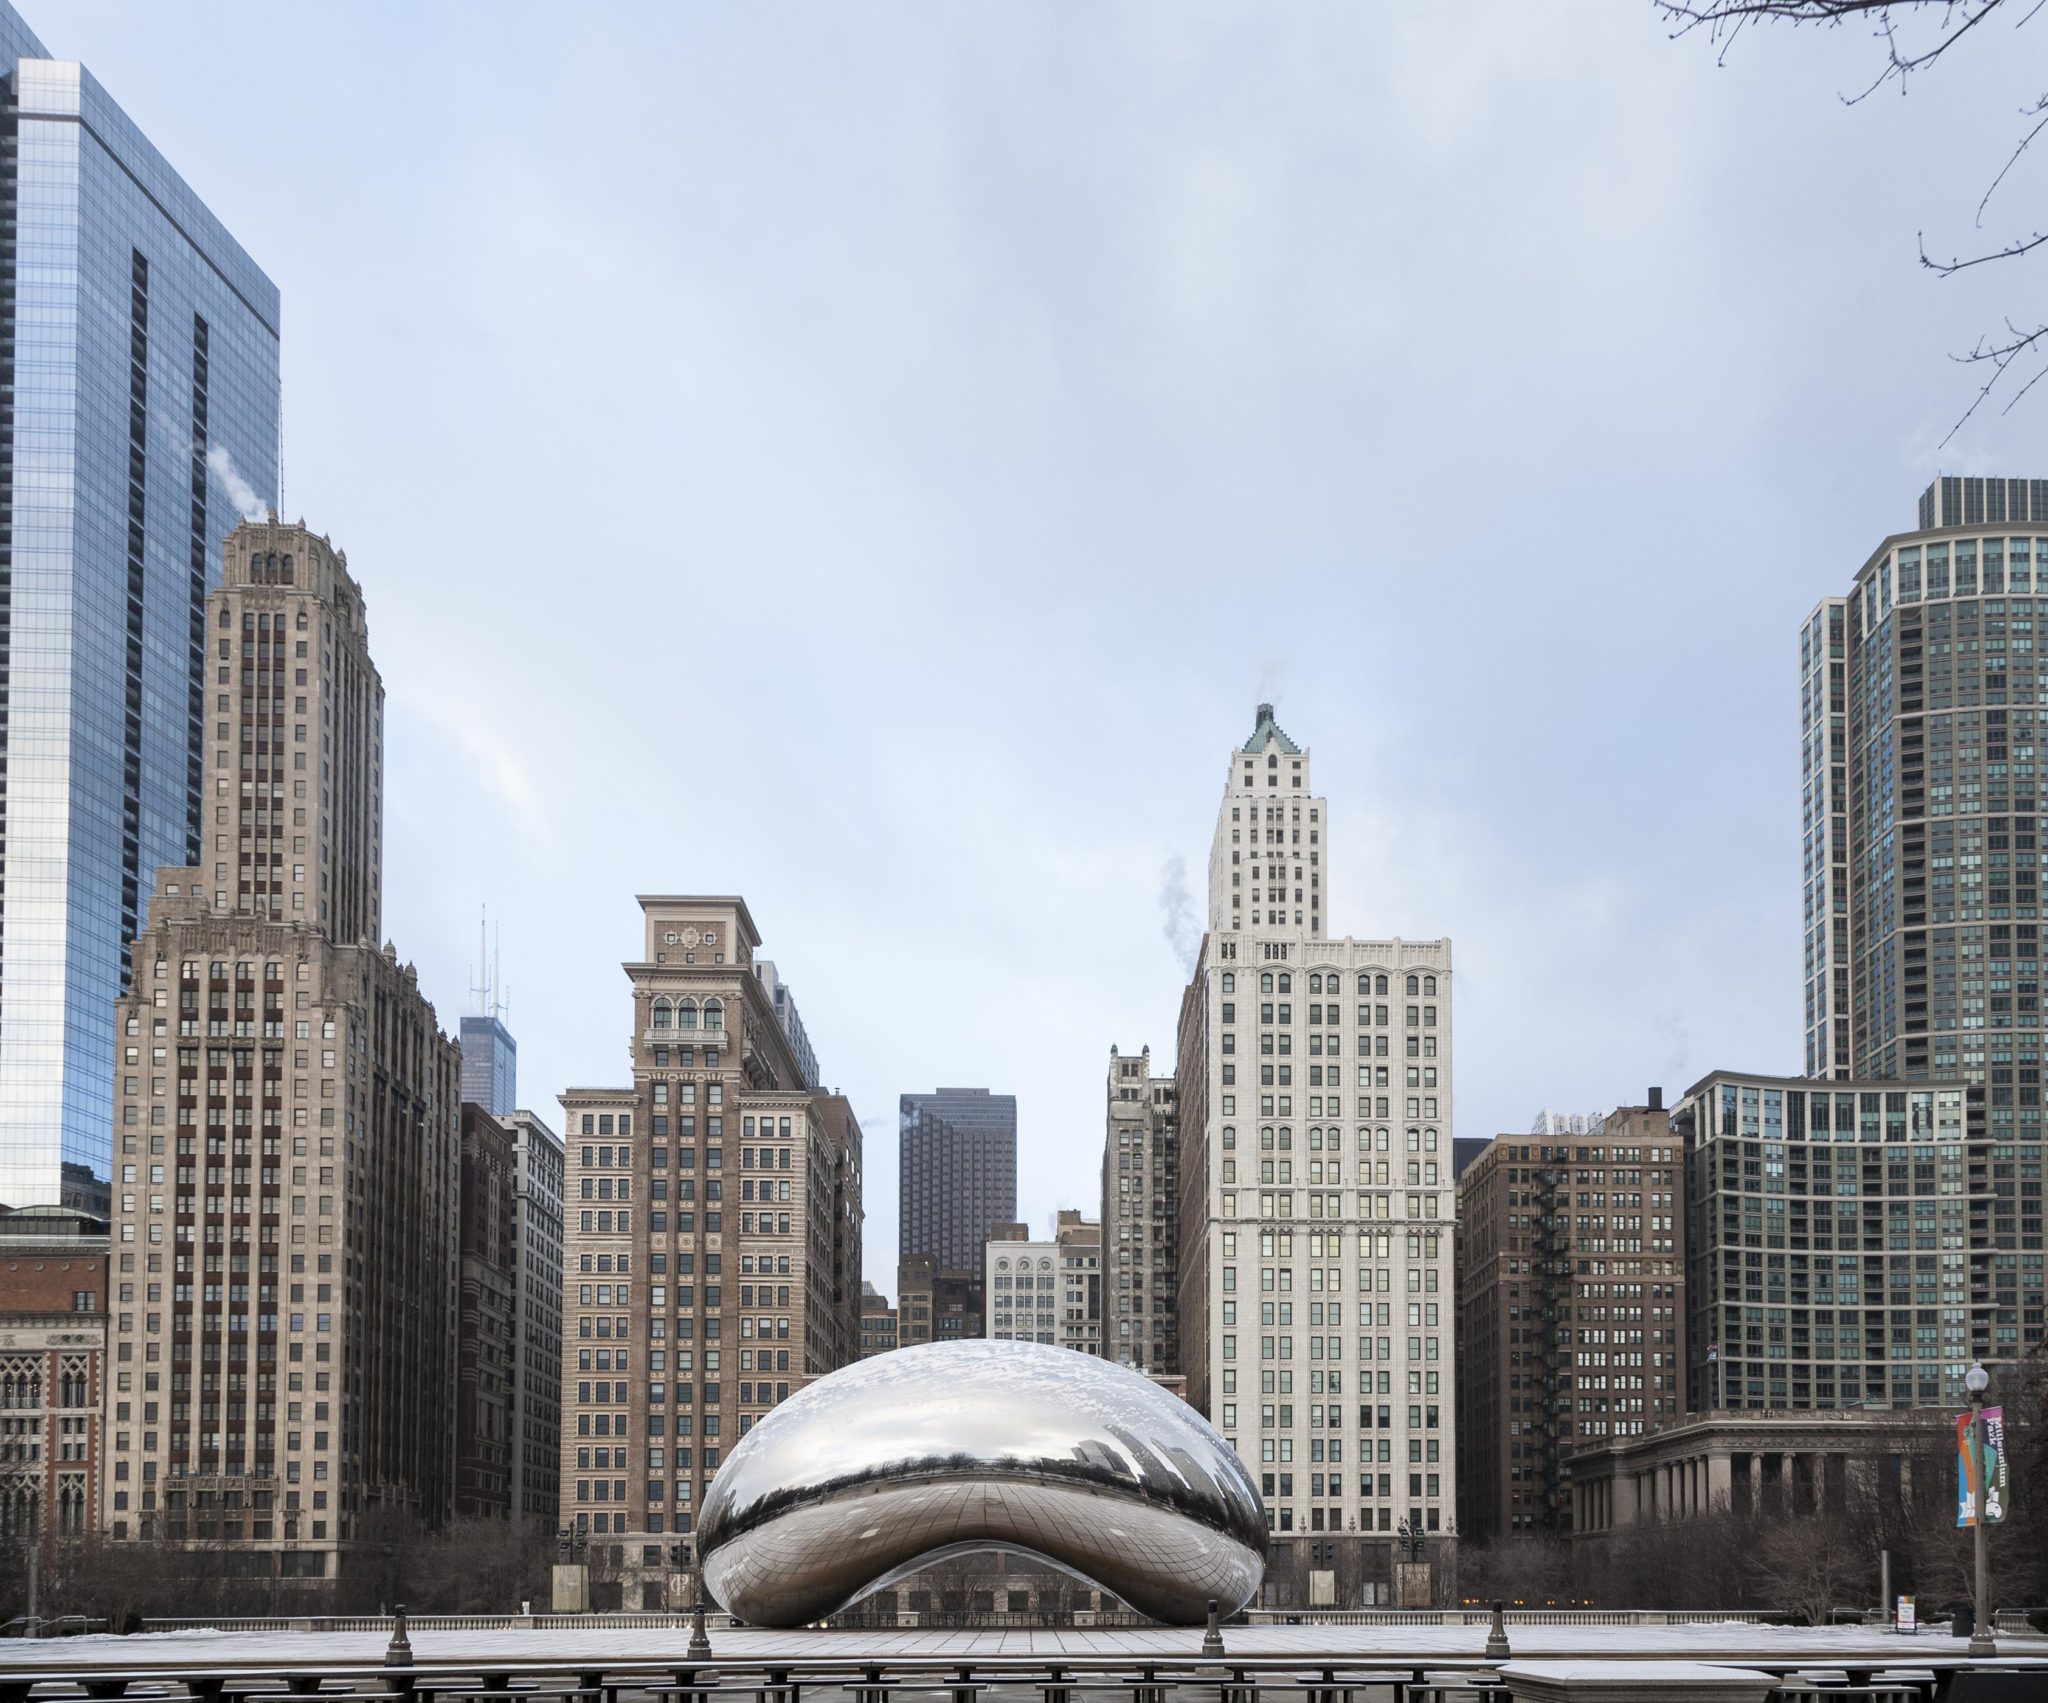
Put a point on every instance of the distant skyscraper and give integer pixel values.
(1314, 1087)
(490, 1065)
(792, 1025)
(958, 1174)
(138, 410)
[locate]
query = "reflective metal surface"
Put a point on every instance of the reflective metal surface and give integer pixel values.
(883, 1466)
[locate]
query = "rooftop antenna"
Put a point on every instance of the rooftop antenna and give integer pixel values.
(484, 990)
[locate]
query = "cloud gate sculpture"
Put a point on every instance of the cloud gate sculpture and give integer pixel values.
(879, 1468)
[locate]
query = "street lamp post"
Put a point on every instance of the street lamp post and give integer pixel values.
(1982, 1641)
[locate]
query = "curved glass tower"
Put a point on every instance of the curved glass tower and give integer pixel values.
(138, 414)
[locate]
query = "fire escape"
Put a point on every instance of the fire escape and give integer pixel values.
(1552, 1272)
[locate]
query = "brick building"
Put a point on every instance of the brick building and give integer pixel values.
(53, 1337)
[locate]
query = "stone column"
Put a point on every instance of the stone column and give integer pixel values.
(1720, 1478)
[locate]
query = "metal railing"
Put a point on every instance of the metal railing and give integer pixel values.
(637, 1621)
(1513, 1616)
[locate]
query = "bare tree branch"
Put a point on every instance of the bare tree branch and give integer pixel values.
(1723, 19)
(1950, 21)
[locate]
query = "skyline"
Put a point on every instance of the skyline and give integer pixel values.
(1197, 380)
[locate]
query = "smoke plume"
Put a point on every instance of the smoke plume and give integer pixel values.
(240, 492)
(1177, 913)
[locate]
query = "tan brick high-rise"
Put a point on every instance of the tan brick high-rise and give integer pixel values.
(711, 1244)
(286, 1163)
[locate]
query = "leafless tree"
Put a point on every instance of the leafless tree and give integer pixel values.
(1913, 36)
(1811, 1564)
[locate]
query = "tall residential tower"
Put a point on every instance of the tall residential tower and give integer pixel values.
(138, 414)
(1923, 693)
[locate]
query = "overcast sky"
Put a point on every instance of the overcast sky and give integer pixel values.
(873, 459)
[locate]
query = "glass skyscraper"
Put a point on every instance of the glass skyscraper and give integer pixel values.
(490, 1065)
(138, 413)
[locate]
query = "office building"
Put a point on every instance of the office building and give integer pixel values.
(784, 1003)
(1316, 1291)
(538, 1164)
(877, 1322)
(490, 1064)
(1049, 1291)
(1141, 1218)
(486, 1405)
(1571, 1310)
(936, 1303)
(286, 1203)
(958, 1173)
(139, 403)
(53, 1341)
(1846, 1242)
(712, 1202)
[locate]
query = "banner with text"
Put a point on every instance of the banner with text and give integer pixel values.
(1994, 1469)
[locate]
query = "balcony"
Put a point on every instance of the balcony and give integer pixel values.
(722, 1039)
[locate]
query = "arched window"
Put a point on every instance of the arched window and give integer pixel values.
(1286, 982)
(1429, 984)
(1315, 984)
(714, 1014)
(1381, 986)
(662, 1014)
(1265, 981)
(686, 1014)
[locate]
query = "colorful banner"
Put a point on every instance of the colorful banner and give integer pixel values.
(1994, 1469)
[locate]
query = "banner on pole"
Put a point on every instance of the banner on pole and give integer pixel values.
(1994, 1470)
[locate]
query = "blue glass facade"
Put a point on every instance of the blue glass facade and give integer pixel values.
(490, 1066)
(138, 402)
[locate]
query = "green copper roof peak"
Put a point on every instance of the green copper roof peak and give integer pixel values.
(1267, 732)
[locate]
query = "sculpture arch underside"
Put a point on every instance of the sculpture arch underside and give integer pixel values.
(924, 1453)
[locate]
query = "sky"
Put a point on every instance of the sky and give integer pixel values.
(874, 459)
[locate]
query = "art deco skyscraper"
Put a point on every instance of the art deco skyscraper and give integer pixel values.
(1315, 1130)
(286, 1198)
(138, 407)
